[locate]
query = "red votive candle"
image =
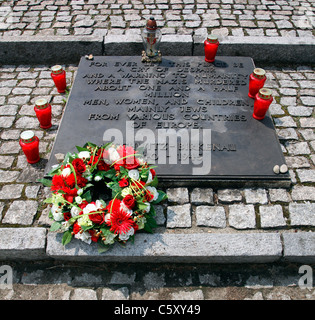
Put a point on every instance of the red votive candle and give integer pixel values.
(59, 77)
(211, 45)
(30, 146)
(256, 81)
(43, 112)
(262, 102)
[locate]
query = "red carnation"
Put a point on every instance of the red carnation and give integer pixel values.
(138, 184)
(81, 181)
(66, 215)
(121, 222)
(153, 173)
(76, 228)
(70, 181)
(57, 183)
(129, 201)
(149, 196)
(78, 165)
(103, 166)
(123, 183)
(113, 205)
(94, 236)
(83, 204)
(97, 218)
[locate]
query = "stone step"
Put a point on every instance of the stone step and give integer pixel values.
(34, 244)
(68, 49)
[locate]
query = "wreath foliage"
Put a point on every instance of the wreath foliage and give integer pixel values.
(103, 194)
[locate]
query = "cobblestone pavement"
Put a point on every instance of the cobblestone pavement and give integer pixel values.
(223, 17)
(78, 281)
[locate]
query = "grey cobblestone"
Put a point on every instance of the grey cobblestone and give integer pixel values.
(254, 19)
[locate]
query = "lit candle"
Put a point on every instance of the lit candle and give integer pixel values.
(30, 146)
(211, 45)
(262, 102)
(59, 77)
(256, 81)
(43, 112)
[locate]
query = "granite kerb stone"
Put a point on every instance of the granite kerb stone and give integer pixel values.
(177, 248)
(69, 49)
(23, 243)
(35, 243)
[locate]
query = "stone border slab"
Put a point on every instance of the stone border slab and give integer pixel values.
(22, 243)
(299, 247)
(34, 50)
(264, 49)
(177, 248)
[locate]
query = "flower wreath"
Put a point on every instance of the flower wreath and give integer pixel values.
(79, 204)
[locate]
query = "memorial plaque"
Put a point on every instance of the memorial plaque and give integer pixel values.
(191, 118)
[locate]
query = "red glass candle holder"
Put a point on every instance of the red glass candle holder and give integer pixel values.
(59, 77)
(262, 102)
(211, 45)
(256, 81)
(30, 146)
(43, 112)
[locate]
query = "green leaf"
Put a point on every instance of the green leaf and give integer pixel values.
(66, 238)
(87, 196)
(48, 200)
(162, 196)
(110, 174)
(82, 149)
(102, 247)
(45, 182)
(55, 226)
(154, 182)
(141, 205)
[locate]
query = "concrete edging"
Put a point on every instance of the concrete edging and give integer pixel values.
(33, 50)
(34, 244)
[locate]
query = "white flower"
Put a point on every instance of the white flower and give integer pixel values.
(65, 172)
(133, 174)
(84, 221)
(125, 236)
(154, 192)
(150, 179)
(65, 226)
(80, 191)
(109, 239)
(84, 155)
(126, 191)
(107, 217)
(147, 209)
(125, 209)
(98, 178)
(57, 214)
(98, 204)
(89, 208)
(84, 236)
(113, 154)
(78, 200)
(75, 211)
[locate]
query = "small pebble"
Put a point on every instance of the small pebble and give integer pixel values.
(276, 169)
(284, 168)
